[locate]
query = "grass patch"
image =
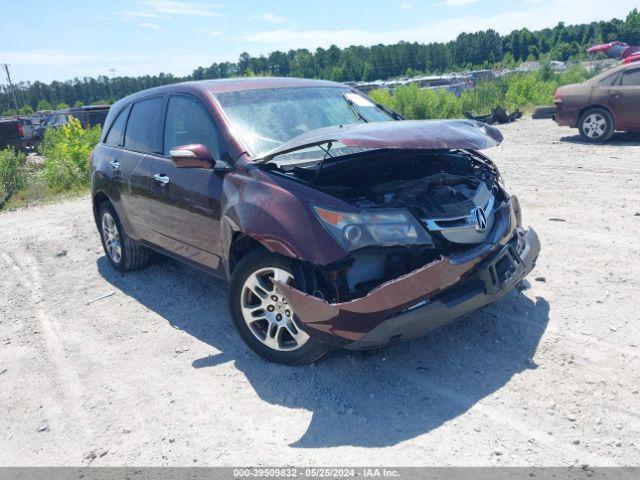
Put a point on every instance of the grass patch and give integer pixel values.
(517, 91)
(63, 173)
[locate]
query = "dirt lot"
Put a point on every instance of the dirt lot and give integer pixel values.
(156, 375)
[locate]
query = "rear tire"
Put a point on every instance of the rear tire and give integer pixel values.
(596, 125)
(264, 319)
(123, 253)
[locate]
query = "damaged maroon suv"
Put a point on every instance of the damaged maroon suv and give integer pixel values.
(337, 223)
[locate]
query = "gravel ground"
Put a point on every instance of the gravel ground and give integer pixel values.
(154, 373)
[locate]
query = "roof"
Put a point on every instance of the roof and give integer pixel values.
(224, 85)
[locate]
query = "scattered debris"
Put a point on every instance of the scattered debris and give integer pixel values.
(541, 279)
(555, 219)
(43, 427)
(101, 297)
(498, 115)
(4, 370)
(181, 350)
(61, 253)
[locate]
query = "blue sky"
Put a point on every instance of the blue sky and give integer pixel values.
(58, 40)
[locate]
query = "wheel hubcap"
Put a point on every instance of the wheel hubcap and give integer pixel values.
(111, 237)
(595, 125)
(267, 312)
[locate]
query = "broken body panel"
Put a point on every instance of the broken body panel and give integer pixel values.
(354, 318)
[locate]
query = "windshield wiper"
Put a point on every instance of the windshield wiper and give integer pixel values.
(327, 155)
(354, 109)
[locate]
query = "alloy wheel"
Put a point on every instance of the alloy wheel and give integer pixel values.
(594, 125)
(111, 237)
(267, 313)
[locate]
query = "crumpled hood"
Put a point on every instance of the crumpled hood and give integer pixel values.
(404, 134)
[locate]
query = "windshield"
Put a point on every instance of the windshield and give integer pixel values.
(267, 118)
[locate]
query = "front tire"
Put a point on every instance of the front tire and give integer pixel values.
(596, 125)
(263, 317)
(123, 253)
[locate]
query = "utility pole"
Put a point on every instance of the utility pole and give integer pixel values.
(13, 92)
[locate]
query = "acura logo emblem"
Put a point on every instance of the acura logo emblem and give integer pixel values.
(480, 219)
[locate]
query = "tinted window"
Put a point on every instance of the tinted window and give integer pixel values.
(116, 133)
(143, 124)
(189, 122)
(631, 78)
(97, 117)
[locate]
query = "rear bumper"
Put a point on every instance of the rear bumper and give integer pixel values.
(566, 117)
(495, 277)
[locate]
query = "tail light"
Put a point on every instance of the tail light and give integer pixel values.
(20, 130)
(557, 97)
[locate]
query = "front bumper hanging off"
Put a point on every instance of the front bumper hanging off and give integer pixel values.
(494, 278)
(414, 304)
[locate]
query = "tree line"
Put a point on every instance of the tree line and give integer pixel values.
(484, 49)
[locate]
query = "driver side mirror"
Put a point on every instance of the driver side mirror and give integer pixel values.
(197, 156)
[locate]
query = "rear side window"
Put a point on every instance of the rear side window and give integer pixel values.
(143, 124)
(116, 133)
(97, 117)
(188, 122)
(631, 78)
(610, 80)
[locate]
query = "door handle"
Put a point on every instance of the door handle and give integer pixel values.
(163, 179)
(616, 94)
(115, 164)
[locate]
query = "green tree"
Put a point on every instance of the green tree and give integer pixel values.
(43, 105)
(62, 105)
(631, 29)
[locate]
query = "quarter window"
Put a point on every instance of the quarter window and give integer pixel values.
(631, 78)
(610, 80)
(188, 122)
(116, 133)
(143, 125)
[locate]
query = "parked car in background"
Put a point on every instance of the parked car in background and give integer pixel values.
(337, 223)
(11, 134)
(601, 106)
(28, 128)
(89, 116)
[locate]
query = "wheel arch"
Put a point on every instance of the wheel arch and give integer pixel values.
(596, 106)
(240, 246)
(99, 198)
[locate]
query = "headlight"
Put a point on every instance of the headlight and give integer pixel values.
(380, 227)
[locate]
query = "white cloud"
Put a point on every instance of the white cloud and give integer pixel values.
(168, 8)
(531, 16)
(45, 57)
(406, 6)
(210, 31)
(458, 3)
(171, 7)
(48, 65)
(274, 18)
(131, 14)
(150, 26)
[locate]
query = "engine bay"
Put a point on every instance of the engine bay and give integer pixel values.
(453, 194)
